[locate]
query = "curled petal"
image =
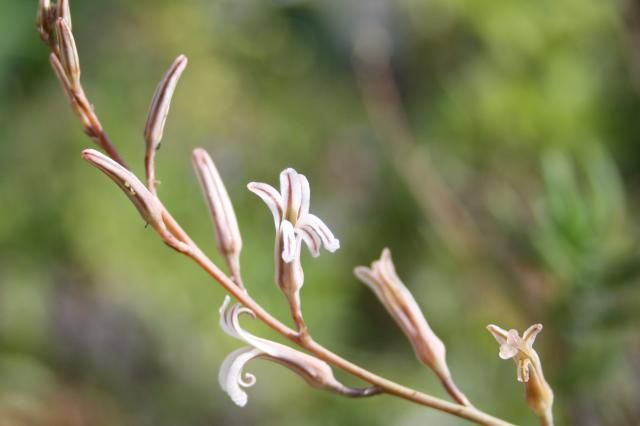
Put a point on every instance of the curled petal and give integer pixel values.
(291, 190)
(272, 199)
(313, 223)
(231, 377)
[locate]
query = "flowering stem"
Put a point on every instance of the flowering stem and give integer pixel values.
(305, 341)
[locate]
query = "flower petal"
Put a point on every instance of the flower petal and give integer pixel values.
(291, 190)
(314, 224)
(305, 193)
(530, 334)
(312, 240)
(230, 376)
(500, 334)
(290, 242)
(507, 351)
(272, 199)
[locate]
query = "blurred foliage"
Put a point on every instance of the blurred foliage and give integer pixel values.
(527, 112)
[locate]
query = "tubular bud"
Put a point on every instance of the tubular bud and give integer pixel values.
(64, 12)
(68, 52)
(147, 204)
(160, 104)
(228, 237)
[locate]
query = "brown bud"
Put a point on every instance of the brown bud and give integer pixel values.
(64, 12)
(44, 23)
(68, 52)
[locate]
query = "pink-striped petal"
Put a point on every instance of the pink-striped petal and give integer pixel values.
(272, 199)
(314, 224)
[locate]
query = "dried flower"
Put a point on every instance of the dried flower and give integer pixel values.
(291, 205)
(224, 219)
(529, 368)
(314, 371)
(399, 302)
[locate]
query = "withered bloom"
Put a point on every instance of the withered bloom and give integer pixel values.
(529, 368)
(228, 237)
(401, 305)
(314, 371)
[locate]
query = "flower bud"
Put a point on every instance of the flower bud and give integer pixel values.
(68, 52)
(228, 237)
(64, 12)
(160, 104)
(71, 93)
(147, 204)
(399, 302)
(44, 22)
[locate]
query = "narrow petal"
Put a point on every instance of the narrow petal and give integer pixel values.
(500, 334)
(314, 224)
(291, 190)
(530, 334)
(305, 193)
(231, 377)
(312, 241)
(289, 242)
(272, 199)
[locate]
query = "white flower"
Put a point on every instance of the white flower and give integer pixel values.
(231, 378)
(291, 205)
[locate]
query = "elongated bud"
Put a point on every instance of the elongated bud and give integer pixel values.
(314, 371)
(68, 52)
(147, 204)
(44, 24)
(161, 102)
(64, 12)
(529, 368)
(399, 302)
(224, 219)
(159, 110)
(289, 273)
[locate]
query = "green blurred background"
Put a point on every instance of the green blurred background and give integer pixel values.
(492, 145)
